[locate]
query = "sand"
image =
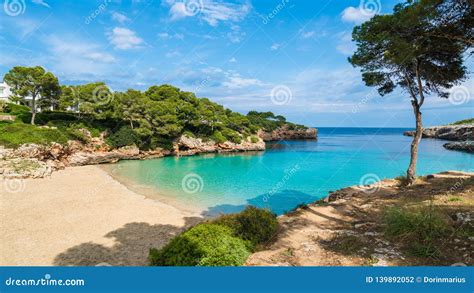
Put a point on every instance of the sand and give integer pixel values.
(82, 216)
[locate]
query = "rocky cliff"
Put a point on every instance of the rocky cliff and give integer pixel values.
(284, 133)
(463, 146)
(448, 132)
(36, 161)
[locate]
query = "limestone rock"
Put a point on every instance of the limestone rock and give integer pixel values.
(464, 146)
(284, 133)
(449, 132)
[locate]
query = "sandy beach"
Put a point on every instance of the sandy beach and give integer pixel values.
(82, 216)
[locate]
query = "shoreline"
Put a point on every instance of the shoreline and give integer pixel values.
(82, 216)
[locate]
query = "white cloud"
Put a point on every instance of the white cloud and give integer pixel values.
(356, 15)
(306, 35)
(124, 39)
(100, 57)
(172, 54)
(232, 60)
(41, 2)
(346, 46)
(121, 18)
(236, 35)
(235, 81)
(211, 11)
(166, 36)
(73, 58)
(275, 47)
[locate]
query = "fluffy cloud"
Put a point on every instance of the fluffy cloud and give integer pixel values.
(307, 35)
(235, 81)
(121, 18)
(275, 47)
(124, 39)
(345, 46)
(356, 15)
(211, 11)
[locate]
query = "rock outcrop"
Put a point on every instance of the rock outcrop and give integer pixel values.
(449, 132)
(284, 133)
(464, 146)
(186, 146)
(32, 160)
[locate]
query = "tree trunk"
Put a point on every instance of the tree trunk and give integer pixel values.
(411, 172)
(33, 110)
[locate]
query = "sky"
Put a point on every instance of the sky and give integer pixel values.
(284, 56)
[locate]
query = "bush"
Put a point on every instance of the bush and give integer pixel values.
(218, 137)
(419, 229)
(3, 106)
(254, 139)
(203, 245)
(15, 109)
(257, 226)
(16, 134)
(231, 135)
(125, 136)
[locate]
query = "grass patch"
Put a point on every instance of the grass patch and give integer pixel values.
(420, 230)
(465, 121)
(346, 244)
(454, 199)
(16, 134)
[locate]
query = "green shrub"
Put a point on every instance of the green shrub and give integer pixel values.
(16, 134)
(15, 109)
(254, 139)
(420, 229)
(203, 245)
(125, 136)
(189, 134)
(257, 226)
(3, 106)
(231, 135)
(218, 137)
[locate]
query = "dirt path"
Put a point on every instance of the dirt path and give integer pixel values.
(349, 230)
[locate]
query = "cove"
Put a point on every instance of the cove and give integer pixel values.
(288, 173)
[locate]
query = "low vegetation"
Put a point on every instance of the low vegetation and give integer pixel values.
(420, 229)
(225, 241)
(465, 121)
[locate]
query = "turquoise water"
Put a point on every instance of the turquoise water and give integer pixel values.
(287, 173)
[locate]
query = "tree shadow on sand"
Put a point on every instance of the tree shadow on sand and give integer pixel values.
(280, 202)
(132, 243)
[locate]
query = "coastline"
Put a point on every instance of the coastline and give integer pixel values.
(82, 216)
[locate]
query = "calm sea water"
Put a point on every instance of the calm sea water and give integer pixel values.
(287, 173)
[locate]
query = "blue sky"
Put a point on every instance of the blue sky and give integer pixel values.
(286, 56)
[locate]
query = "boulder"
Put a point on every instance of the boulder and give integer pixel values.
(464, 146)
(461, 132)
